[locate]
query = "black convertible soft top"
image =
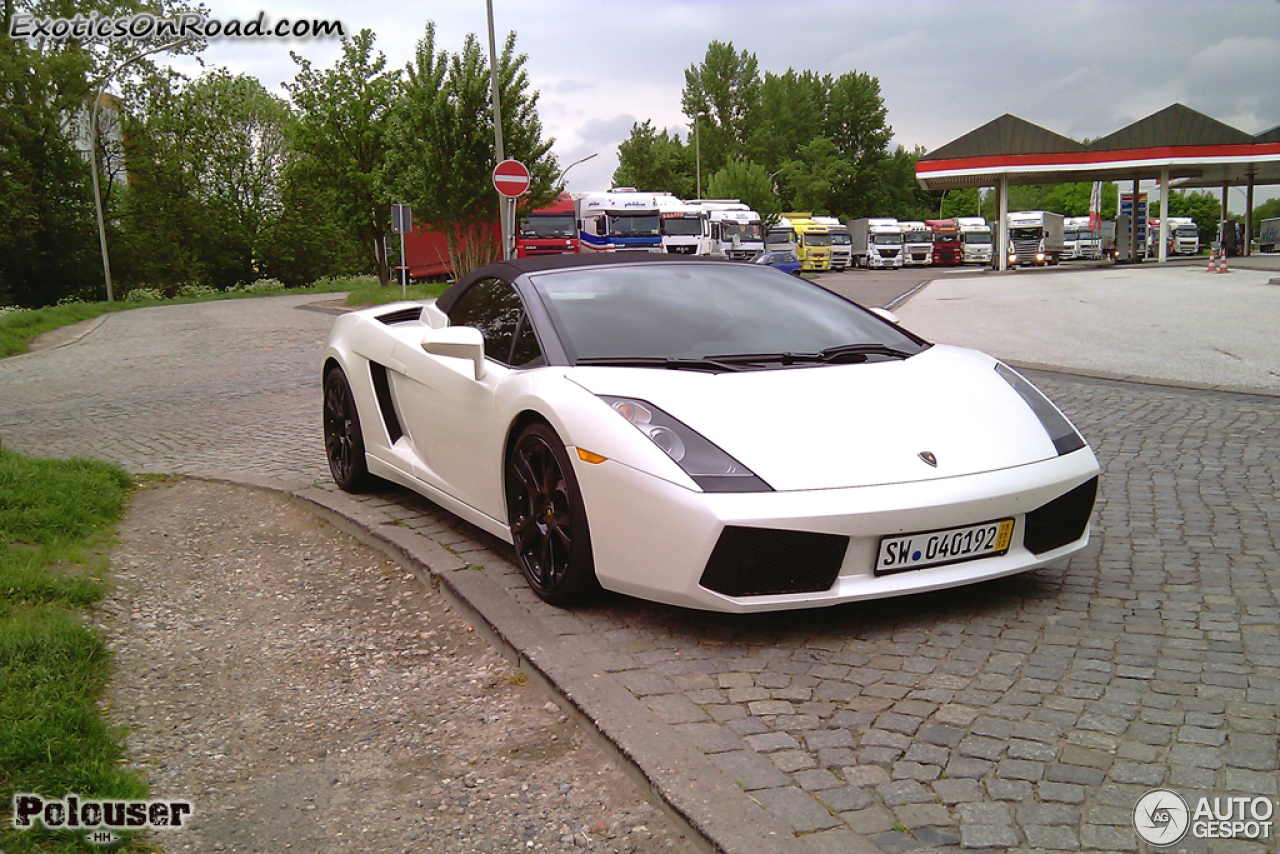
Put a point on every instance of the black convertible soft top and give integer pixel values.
(508, 271)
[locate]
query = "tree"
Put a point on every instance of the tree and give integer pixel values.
(812, 178)
(1266, 210)
(305, 239)
(1201, 206)
(748, 183)
(344, 127)
(722, 94)
(444, 147)
(655, 162)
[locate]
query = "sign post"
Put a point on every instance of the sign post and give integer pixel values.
(402, 224)
(511, 180)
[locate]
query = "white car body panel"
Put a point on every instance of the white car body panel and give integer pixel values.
(839, 444)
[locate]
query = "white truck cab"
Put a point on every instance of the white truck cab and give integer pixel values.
(841, 242)
(917, 243)
(975, 240)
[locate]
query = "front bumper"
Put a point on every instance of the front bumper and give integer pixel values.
(653, 539)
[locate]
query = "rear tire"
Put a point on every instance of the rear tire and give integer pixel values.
(548, 518)
(343, 441)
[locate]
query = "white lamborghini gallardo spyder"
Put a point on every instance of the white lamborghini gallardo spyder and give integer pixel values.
(710, 434)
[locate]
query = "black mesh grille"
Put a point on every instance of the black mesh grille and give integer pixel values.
(761, 562)
(402, 315)
(1062, 520)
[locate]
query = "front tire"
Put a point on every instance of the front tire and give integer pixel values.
(548, 518)
(343, 441)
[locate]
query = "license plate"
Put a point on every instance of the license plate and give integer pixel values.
(951, 545)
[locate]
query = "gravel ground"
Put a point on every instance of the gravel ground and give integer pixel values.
(306, 693)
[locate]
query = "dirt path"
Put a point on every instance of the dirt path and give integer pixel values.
(308, 694)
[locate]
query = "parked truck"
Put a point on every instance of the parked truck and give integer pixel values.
(975, 240)
(947, 249)
(1269, 235)
(1035, 238)
(684, 226)
(736, 231)
(841, 242)
(876, 242)
(781, 237)
(917, 244)
(620, 220)
(813, 242)
(1183, 235)
(548, 231)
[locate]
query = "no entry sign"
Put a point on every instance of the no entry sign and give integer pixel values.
(511, 178)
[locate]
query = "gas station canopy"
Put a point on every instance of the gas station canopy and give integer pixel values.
(1176, 143)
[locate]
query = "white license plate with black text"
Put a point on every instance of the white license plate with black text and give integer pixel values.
(951, 545)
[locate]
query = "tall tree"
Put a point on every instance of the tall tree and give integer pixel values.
(344, 126)
(722, 94)
(655, 162)
(748, 183)
(444, 154)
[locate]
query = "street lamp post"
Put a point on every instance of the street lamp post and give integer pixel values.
(507, 207)
(565, 170)
(93, 155)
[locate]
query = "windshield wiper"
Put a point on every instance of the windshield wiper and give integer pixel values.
(669, 362)
(840, 353)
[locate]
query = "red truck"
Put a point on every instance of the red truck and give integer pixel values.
(552, 230)
(947, 250)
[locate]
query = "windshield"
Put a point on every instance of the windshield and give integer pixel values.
(746, 232)
(693, 311)
(839, 238)
(780, 238)
(817, 240)
(918, 237)
(1031, 233)
(672, 225)
(979, 237)
(887, 239)
(1187, 231)
(634, 225)
(548, 226)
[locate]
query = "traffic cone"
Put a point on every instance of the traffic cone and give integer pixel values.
(1213, 261)
(1222, 264)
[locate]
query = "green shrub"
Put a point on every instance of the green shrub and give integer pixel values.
(144, 295)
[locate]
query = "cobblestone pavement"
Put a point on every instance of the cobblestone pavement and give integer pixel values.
(1026, 714)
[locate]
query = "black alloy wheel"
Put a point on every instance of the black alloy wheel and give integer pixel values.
(343, 441)
(548, 518)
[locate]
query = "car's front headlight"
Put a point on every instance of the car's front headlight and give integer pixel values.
(1064, 436)
(711, 468)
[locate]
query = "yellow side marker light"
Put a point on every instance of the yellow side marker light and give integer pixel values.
(588, 457)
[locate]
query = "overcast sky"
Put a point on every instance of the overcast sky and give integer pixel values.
(945, 68)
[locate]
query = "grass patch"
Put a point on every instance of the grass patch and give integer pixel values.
(55, 521)
(371, 293)
(17, 328)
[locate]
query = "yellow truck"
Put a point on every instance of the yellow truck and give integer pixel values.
(813, 242)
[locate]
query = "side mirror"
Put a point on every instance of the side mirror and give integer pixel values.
(887, 315)
(457, 342)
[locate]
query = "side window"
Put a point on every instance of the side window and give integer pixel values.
(493, 307)
(526, 351)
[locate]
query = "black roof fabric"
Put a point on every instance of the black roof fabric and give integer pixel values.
(1175, 125)
(1004, 136)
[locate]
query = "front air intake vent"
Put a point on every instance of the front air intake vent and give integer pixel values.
(1062, 521)
(402, 315)
(764, 562)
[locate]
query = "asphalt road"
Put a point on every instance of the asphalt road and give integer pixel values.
(1024, 714)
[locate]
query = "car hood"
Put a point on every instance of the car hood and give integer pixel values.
(833, 426)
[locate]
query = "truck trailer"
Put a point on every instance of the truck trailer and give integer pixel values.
(876, 242)
(1269, 235)
(1035, 238)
